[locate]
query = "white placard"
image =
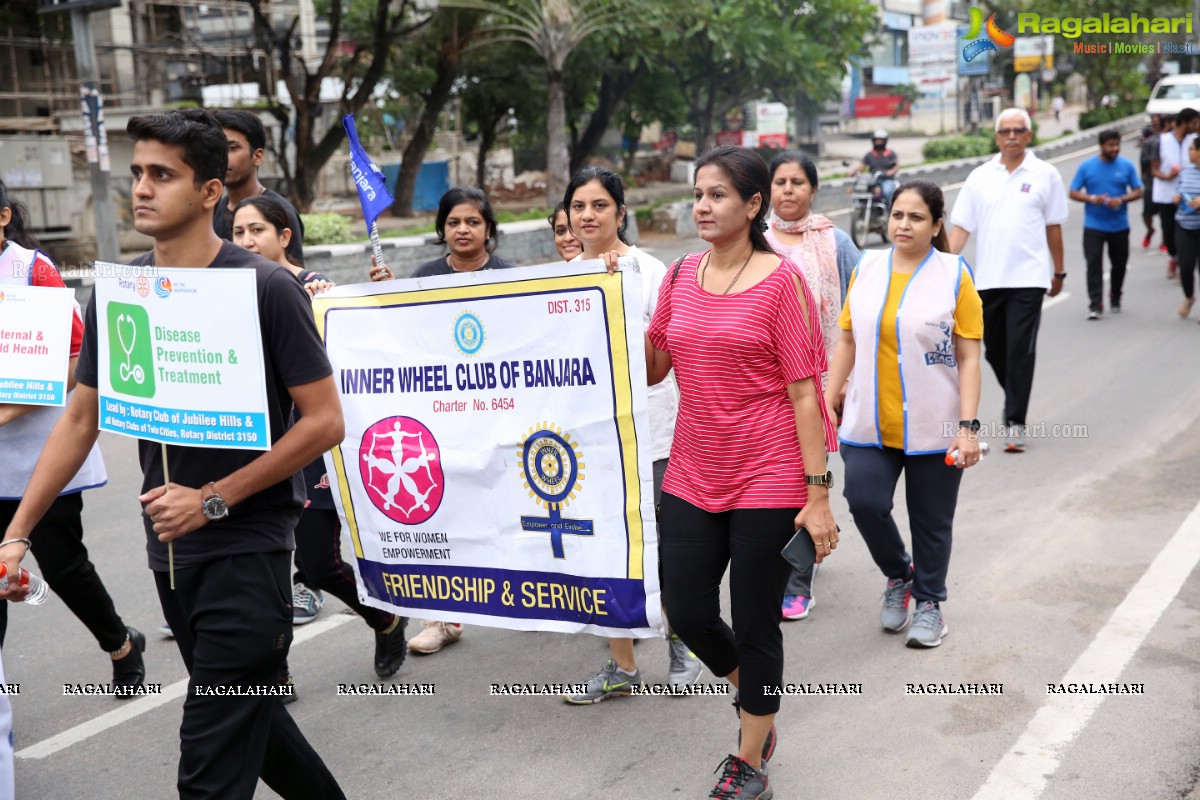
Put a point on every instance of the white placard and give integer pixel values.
(35, 344)
(180, 356)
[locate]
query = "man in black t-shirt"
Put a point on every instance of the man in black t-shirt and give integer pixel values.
(230, 513)
(247, 146)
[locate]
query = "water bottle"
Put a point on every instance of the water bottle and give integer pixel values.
(38, 590)
(952, 458)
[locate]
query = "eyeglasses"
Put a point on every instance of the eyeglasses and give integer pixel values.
(1006, 132)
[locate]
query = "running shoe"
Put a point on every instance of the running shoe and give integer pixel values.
(1146, 241)
(1015, 443)
(797, 606)
(740, 781)
(928, 626)
(1093, 315)
(1172, 270)
(434, 636)
(306, 604)
(391, 649)
(608, 682)
(1114, 303)
(166, 631)
(1162, 248)
(894, 616)
(685, 667)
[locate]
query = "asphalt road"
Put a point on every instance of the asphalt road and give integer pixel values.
(1072, 564)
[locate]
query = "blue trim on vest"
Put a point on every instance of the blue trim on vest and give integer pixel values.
(899, 343)
(877, 446)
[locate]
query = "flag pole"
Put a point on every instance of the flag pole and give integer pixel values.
(171, 542)
(376, 249)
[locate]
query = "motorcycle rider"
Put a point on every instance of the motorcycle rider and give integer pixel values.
(880, 158)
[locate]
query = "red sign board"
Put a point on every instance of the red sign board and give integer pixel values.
(774, 141)
(882, 106)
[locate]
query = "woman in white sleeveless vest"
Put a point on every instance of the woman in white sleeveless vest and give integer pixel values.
(596, 215)
(57, 541)
(826, 255)
(910, 343)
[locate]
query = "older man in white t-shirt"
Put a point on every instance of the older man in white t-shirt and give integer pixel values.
(1173, 146)
(1017, 204)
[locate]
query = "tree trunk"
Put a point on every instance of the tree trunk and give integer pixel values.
(414, 153)
(487, 138)
(613, 91)
(557, 164)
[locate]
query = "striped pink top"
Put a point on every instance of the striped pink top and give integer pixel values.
(734, 356)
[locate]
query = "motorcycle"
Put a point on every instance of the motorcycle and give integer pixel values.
(868, 208)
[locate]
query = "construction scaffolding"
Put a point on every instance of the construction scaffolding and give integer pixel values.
(151, 53)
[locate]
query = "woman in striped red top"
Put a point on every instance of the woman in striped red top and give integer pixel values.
(741, 331)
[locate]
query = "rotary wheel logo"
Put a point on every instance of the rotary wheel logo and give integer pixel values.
(401, 469)
(552, 466)
(469, 334)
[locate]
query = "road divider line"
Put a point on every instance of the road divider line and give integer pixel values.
(1024, 771)
(131, 709)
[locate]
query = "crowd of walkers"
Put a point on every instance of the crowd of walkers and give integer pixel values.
(779, 338)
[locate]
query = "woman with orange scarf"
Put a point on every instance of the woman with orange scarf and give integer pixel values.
(826, 256)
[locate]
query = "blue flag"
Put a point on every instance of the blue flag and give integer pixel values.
(372, 188)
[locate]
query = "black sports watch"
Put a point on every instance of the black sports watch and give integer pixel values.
(212, 503)
(825, 480)
(970, 424)
(1060, 276)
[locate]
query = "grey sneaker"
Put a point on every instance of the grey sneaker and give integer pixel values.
(894, 616)
(740, 781)
(306, 604)
(928, 626)
(606, 683)
(685, 667)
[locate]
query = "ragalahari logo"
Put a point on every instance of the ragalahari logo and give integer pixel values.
(995, 36)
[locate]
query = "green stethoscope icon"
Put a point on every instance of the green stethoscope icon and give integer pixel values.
(128, 369)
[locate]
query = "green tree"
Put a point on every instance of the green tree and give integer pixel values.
(726, 52)
(429, 69)
(362, 34)
(553, 29)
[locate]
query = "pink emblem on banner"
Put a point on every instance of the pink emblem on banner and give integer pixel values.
(401, 469)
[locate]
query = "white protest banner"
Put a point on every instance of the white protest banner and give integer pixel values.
(180, 356)
(490, 471)
(35, 344)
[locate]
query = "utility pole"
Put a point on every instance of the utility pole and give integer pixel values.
(92, 106)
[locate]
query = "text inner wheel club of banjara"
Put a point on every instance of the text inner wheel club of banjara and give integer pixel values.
(491, 470)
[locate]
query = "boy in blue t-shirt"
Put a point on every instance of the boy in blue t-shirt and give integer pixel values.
(1106, 183)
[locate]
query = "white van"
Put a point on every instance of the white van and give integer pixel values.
(1174, 93)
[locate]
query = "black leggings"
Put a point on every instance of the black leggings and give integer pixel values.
(1187, 242)
(62, 557)
(319, 557)
(696, 548)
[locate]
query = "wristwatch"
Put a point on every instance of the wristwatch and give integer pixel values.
(825, 480)
(212, 503)
(1060, 275)
(970, 424)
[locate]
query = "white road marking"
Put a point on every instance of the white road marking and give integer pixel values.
(1025, 769)
(131, 709)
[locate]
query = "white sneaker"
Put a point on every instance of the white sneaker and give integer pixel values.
(435, 636)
